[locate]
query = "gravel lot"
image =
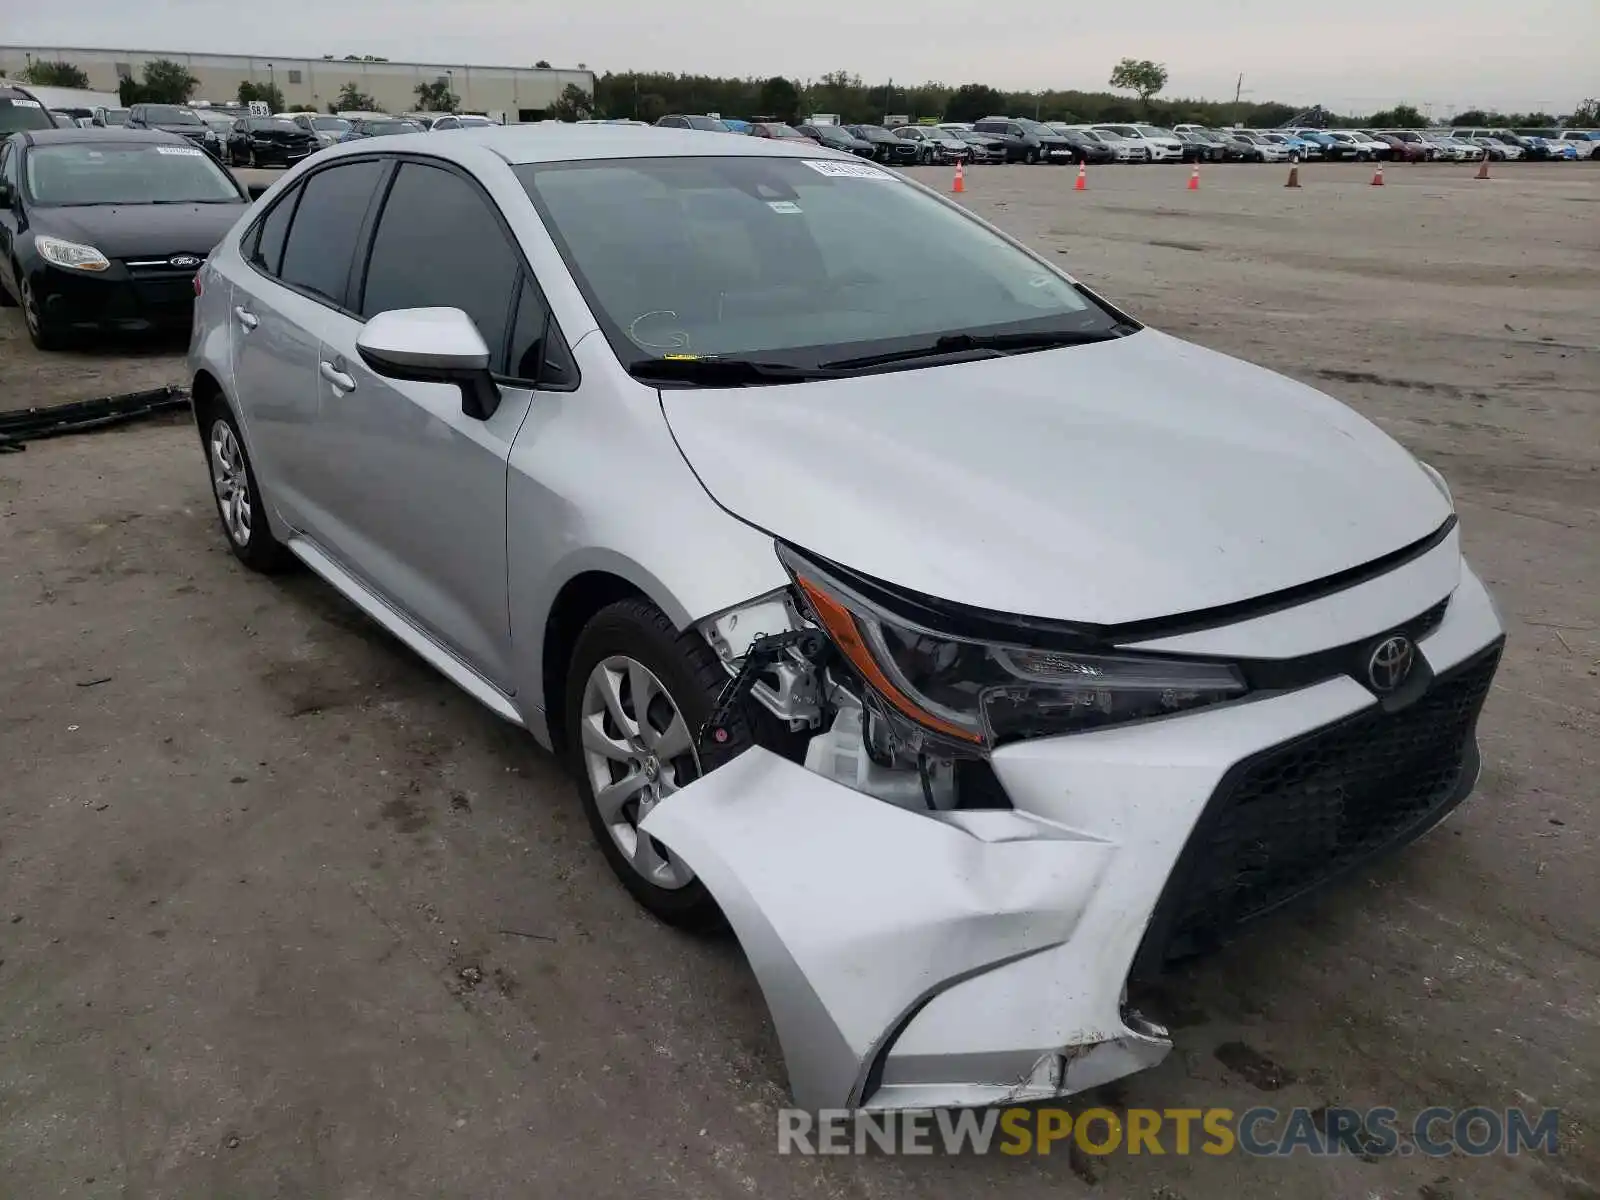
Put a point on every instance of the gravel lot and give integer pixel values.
(283, 914)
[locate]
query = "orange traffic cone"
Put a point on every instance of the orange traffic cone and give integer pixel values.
(1483, 167)
(1377, 176)
(960, 185)
(1082, 183)
(1294, 176)
(1194, 178)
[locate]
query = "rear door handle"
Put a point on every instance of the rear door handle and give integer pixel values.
(338, 378)
(245, 317)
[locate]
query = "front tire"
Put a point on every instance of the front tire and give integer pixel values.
(638, 694)
(44, 336)
(240, 506)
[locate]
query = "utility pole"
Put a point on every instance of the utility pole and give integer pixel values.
(888, 101)
(1238, 89)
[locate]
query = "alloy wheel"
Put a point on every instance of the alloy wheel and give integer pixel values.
(637, 750)
(231, 482)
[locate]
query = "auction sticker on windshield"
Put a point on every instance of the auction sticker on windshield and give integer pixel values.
(180, 150)
(845, 170)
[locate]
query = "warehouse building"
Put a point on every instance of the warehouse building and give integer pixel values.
(512, 93)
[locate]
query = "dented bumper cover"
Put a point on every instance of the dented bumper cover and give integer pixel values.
(971, 957)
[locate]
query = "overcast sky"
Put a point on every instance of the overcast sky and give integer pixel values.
(1362, 55)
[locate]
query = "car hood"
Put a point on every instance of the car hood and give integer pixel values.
(191, 131)
(1118, 481)
(142, 230)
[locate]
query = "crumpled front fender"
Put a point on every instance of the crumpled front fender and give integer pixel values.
(854, 913)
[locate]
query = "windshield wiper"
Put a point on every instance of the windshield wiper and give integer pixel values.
(724, 372)
(984, 343)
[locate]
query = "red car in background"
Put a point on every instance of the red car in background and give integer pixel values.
(778, 130)
(1401, 148)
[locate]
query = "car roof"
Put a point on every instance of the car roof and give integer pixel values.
(52, 137)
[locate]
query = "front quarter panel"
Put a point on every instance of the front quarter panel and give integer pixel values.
(596, 484)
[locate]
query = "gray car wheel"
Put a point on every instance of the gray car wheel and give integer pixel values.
(240, 507)
(638, 694)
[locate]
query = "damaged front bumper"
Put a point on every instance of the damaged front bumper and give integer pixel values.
(978, 956)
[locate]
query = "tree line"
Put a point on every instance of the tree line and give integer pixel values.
(646, 95)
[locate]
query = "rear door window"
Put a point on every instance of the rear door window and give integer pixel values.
(440, 244)
(327, 222)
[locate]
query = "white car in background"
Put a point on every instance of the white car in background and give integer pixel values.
(1270, 151)
(1126, 149)
(1585, 141)
(1162, 145)
(1366, 147)
(1454, 149)
(460, 121)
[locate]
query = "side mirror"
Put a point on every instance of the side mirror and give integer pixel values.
(432, 345)
(257, 190)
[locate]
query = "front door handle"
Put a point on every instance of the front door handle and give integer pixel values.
(245, 317)
(338, 378)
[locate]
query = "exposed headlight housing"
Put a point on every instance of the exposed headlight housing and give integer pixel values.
(74, 256)
(977, 693)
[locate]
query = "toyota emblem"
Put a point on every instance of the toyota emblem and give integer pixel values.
(1390, 664)
(184, 261)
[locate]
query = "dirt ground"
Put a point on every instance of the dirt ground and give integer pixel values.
(283, 914)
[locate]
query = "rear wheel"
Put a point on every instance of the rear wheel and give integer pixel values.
(1031, 157)
(638, 693)
(238, 495)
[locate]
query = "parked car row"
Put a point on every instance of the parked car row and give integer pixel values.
(1020, 139)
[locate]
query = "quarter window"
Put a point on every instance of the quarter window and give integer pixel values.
(267, 251)
(538, 353)
(439, 245)
(322, 240)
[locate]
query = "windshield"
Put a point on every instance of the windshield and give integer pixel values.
(17, 113)
(1126, 131)
(710, 123)
(387, 128)
(1034, 126)
(967, 135)
(115, 116)
(801, 260)
(1241, 136)
(330, 124)
(1154, 131)
(274, 123)
(170, 114)
(120, 173)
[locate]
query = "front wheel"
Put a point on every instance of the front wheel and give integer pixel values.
(43, 335)
(638, 693)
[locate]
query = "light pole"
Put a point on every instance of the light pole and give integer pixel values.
(272, 82)
(449, 88)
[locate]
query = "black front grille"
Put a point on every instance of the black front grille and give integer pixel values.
(160, 289)
(1296, 816)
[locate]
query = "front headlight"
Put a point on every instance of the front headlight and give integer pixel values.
(74, 256)
(981, 693)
